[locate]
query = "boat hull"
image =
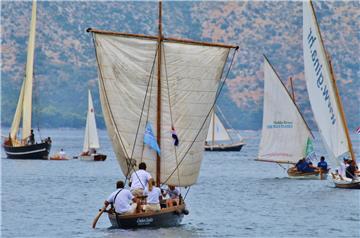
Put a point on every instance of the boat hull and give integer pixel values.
(94, 157)
(224, 147)
(35, 151)
(167, 217)
(292, 173)
(347, 183)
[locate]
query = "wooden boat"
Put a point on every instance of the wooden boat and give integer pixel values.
(285, 135)
(218, 139)
(324, 96)
(154, 79)
(91, 138)
(317, 174)
(58, 157)
(21, 148)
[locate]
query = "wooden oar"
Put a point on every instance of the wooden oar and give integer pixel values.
(101, 211)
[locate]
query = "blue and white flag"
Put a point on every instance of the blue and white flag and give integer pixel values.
(149, 138)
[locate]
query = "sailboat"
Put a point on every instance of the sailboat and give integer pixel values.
(166, 82)
(285, 134)
(218, 138)
(91, 138)
(26, 147)
(324, 96)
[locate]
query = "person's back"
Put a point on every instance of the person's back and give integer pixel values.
(139, 180)
(350, 171)
(173, 192)
(121, 199)
(153, 194)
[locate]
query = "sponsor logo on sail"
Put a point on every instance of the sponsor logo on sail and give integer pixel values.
(280, 124)
(319, 74)
(144, 221)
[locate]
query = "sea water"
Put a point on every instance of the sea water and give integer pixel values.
(235, 196)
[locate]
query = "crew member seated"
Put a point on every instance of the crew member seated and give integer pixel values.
(305, 167)
(153, 194)
(351, 170)
(322, 165)
(174, 194)
(121, 200)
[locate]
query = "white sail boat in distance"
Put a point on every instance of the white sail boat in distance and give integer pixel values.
(166, 82)
(26, 147)
(91, 138)
(324, 96)
(285, 133)
(219, 139)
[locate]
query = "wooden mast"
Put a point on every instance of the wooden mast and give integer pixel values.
(334, 85)
(158, 116)
(342, 114)
(292, 89)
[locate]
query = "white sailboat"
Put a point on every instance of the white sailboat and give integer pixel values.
(218, 138)
(166, 82)
(285, 134)
(91, 138)
(26, 148)
(324, 96)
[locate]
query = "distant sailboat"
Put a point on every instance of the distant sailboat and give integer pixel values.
(26, 148)
(285, 134)
(166, 82)
(218, 138)
(91, 138)
(324, 96)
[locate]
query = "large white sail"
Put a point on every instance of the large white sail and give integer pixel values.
(91, 139)
(17, 117)
(217, 131)
(190, 75)
(284, 132)
(27, 102)
(320, 87)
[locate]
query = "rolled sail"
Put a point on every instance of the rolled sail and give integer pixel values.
(284, 132)
(128, 90)
(320, 88)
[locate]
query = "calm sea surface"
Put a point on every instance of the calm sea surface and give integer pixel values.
(234, 197)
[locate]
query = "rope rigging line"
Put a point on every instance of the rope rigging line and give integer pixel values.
(214, 103)
(171, 118)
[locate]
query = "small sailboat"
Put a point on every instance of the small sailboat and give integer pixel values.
(218, 138)
(26, 147)
(91, 138)
(285, 134)
(324, 97)
(166, 82)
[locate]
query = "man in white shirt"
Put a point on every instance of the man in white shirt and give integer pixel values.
(62, 154)
(139, 180)
(121, 199)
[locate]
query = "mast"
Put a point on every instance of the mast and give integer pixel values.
(334, 85)
(213, 128)
(158, 116)
(292, 89)
(341, 109)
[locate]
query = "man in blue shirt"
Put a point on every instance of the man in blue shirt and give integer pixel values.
(322, 164)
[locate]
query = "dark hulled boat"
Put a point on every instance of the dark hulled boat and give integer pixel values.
(166, 217)
(35, 151)
(225, 147)
(21, 148)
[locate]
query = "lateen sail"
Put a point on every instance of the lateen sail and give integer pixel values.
(24, 105)
(284, 132)
(190, 75)
(216, 130)
(320, 87)
(91, 139)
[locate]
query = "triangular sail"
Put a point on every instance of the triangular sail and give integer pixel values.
(190, 75)
(217, 131)
(27, 102)
(17, 117)
(324, 102)
(91, 139)
(284, 132)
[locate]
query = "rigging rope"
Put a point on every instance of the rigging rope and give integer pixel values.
(216, 97)
(171, 118)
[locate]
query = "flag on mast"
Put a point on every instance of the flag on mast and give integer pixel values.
(149, 138)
